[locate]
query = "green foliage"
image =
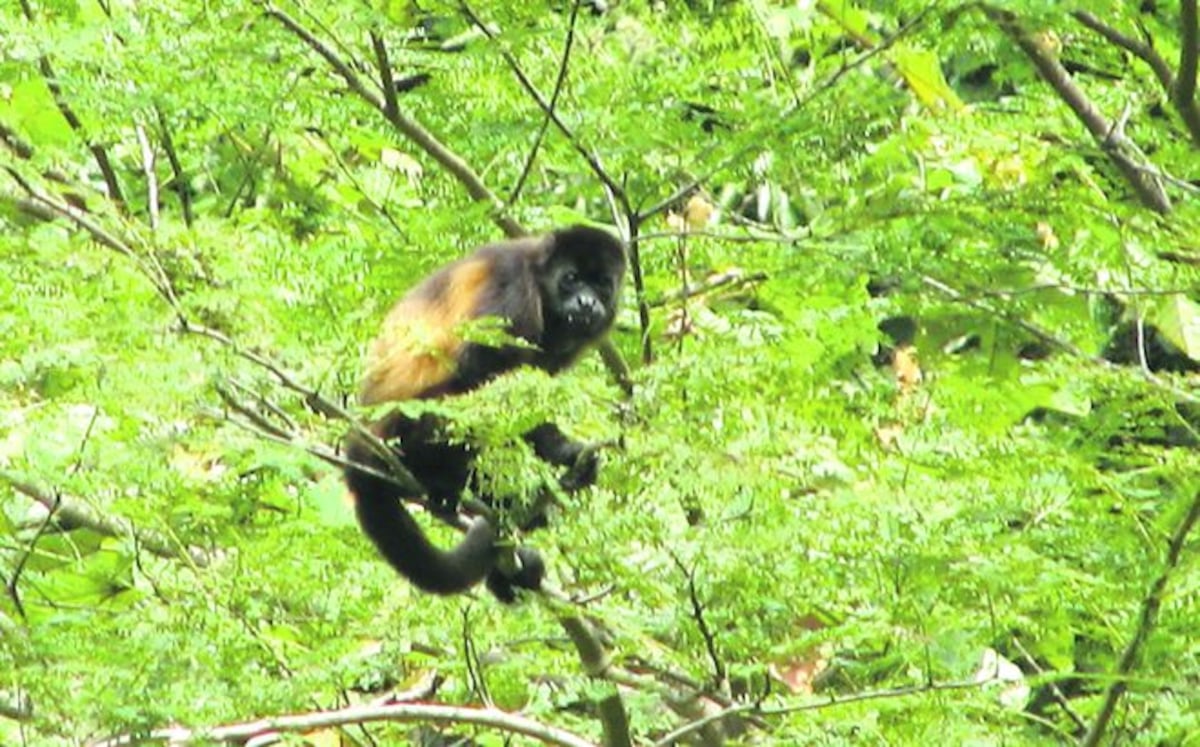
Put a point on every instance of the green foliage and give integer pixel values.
(771, 501)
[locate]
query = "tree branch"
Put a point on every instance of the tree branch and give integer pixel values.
(559, 81)
(407, 126)
(589, 156)
(1144, 50)
(1111, 138)
(179, 180)
(1146, 622)
(1189, 54)
(449, 160)
(492, 718)
(64, 107)
(73, 513)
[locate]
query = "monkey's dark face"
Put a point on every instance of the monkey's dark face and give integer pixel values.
(579, 277)
(582, 305)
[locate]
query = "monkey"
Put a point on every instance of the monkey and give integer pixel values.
(555, 296)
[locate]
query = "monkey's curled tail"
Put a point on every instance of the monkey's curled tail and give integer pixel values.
(401, 541)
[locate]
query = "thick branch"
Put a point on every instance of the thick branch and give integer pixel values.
(1189, 54)
(1112, 139)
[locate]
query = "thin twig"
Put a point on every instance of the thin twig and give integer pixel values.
(83, 220)
(559, 81)
(590, 157)
(1029, 327)
(1055, 691)
(407, 126)
(778, 124)
(706, 633)
(735, 277)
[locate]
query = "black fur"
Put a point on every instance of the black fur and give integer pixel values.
(556, 292)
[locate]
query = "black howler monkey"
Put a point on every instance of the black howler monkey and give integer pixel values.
(557, 293)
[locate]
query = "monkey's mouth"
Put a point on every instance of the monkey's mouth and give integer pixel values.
(583, 322)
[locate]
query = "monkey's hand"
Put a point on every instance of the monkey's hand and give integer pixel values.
(584, 471)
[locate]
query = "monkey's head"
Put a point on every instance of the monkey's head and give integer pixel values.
(580, 279)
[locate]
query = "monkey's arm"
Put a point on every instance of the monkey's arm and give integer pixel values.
(553, 446)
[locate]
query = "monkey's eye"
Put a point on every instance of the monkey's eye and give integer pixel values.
(569, 279)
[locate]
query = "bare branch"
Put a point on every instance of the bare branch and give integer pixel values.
(318, 403)
(589, 156)
(492, 718)
(387, 77)
(706, 632)
(50, 206)
(559, 81)
(1143, 50)
(179, 178)
(1189, 54)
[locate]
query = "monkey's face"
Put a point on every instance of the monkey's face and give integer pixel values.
(582, 303)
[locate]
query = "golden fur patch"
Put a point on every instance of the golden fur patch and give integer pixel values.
(419, 343)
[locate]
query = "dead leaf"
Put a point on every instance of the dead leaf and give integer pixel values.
(907, 368)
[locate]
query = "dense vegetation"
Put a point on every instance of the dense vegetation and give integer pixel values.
(906, 447)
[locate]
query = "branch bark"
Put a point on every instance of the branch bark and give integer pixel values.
(1111, 137)
(1181, 91)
